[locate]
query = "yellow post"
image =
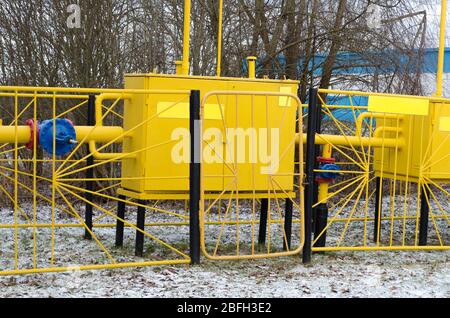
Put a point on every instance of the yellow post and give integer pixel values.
(251, 66)
(219, 40)
(187, 33)
(440, 70)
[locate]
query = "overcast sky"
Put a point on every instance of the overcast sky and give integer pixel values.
(433, 8)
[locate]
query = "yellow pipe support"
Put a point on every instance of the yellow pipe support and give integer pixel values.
(219, 40)
(441, 56)
(251, 66)
(107, 156)
(99, 104)
(363, 116)
(186, 35)
(381, 130)
(323, 187)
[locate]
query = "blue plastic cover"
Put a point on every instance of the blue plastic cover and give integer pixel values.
(333, 171)
(65, 132)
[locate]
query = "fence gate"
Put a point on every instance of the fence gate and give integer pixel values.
(252, 177)
(60, 207)
(382, 172)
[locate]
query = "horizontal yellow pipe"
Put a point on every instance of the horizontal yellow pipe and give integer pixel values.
(106, 156)
(46, 96)
(381, 248)
(323, 139)
(54, 90)
(356, 93)
(91, 267)
(22, 134)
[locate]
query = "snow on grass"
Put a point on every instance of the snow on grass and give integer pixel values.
(333, 274)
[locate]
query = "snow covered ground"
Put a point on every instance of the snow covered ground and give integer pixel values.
(334, 274)
(379, 274)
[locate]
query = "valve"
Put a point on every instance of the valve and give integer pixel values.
(330, 170)
(65, 139)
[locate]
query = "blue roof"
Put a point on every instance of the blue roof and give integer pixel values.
(346, 61)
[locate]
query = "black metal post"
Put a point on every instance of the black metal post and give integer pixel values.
(89, 172)
(310, 178)
(140, 224)
(316, 164)
(120, 224)
(288, 224)
(424, 216)
(194, 178)
(321, 221)
(378, 210)
(263, 222)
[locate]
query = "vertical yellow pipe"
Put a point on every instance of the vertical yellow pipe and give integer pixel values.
(440, 70)
(219, 40)
(186, 34)
(251, 66)
(323, 187)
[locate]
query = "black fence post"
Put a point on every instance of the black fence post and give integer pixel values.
(194, 178)
(310, 178)
(424, 216)
(263, 222)
(120, 224)
(320, 224)
(140, 224)
(378, 210)
(288, 224)
(316, 163)
(89, 172)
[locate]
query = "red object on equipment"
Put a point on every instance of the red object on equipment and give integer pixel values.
(34, 126)
(326, 160)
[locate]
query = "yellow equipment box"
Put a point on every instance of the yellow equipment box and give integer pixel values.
(424, 132)
(155, 170)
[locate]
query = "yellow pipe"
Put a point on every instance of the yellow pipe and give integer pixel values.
(219, 40)
(356, 93)
(107, 156)
(187, 33)
(251, 66)
(323, 187)
(99, 104)
(99, 134)
(440, 69)
(363, 116)
(355, 141)
(91, 267)
(382, 130)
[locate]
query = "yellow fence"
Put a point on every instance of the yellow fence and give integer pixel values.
(50, 203)
(258, 212)
(390, 189)
(117, 197)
